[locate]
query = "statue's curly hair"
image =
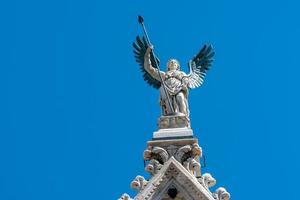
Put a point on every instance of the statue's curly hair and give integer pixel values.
(172, 59)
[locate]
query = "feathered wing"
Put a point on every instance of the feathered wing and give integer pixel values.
(139, 49)
(199, 66)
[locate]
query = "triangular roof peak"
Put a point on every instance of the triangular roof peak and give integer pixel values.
(174, 176)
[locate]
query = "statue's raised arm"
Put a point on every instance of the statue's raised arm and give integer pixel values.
(154, 72)
(146, 61)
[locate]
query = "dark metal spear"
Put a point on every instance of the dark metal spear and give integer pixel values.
(141, 21)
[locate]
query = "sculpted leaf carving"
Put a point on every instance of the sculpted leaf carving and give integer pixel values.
(125, 197)
(192, 166)
(148, 153)
(157, 153)
(153, 167)
(196, 150)
(181, 151)
(162, 153)
(208, 181)
(221, 194)
(138, 183)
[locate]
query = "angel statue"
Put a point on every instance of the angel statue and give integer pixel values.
(173, 84)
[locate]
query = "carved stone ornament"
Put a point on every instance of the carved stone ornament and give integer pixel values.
(207, 180)
(138, 183)
(221, 194)
(125, 197)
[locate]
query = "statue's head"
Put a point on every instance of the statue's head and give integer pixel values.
(173, 64)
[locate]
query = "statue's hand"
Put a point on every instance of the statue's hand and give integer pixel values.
(184, 82)
(149, 49)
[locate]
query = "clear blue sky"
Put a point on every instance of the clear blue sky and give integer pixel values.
(75, 113)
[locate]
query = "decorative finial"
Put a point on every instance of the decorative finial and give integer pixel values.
(140, 19)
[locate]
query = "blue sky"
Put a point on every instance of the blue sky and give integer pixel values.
(76, 114)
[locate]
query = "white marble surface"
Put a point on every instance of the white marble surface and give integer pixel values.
(173, 132)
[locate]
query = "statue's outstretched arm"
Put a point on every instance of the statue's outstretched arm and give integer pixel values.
(154, 72)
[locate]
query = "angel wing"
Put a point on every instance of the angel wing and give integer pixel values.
(199, 65)
(139, 49)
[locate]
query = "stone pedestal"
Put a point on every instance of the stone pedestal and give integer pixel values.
(177, 120)
(173, 133)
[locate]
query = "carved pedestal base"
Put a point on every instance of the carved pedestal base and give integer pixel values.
(174, 121)
(173, 133)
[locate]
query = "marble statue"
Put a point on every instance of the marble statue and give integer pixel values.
(173, 84)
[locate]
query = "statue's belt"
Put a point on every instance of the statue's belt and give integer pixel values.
(173, 91)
